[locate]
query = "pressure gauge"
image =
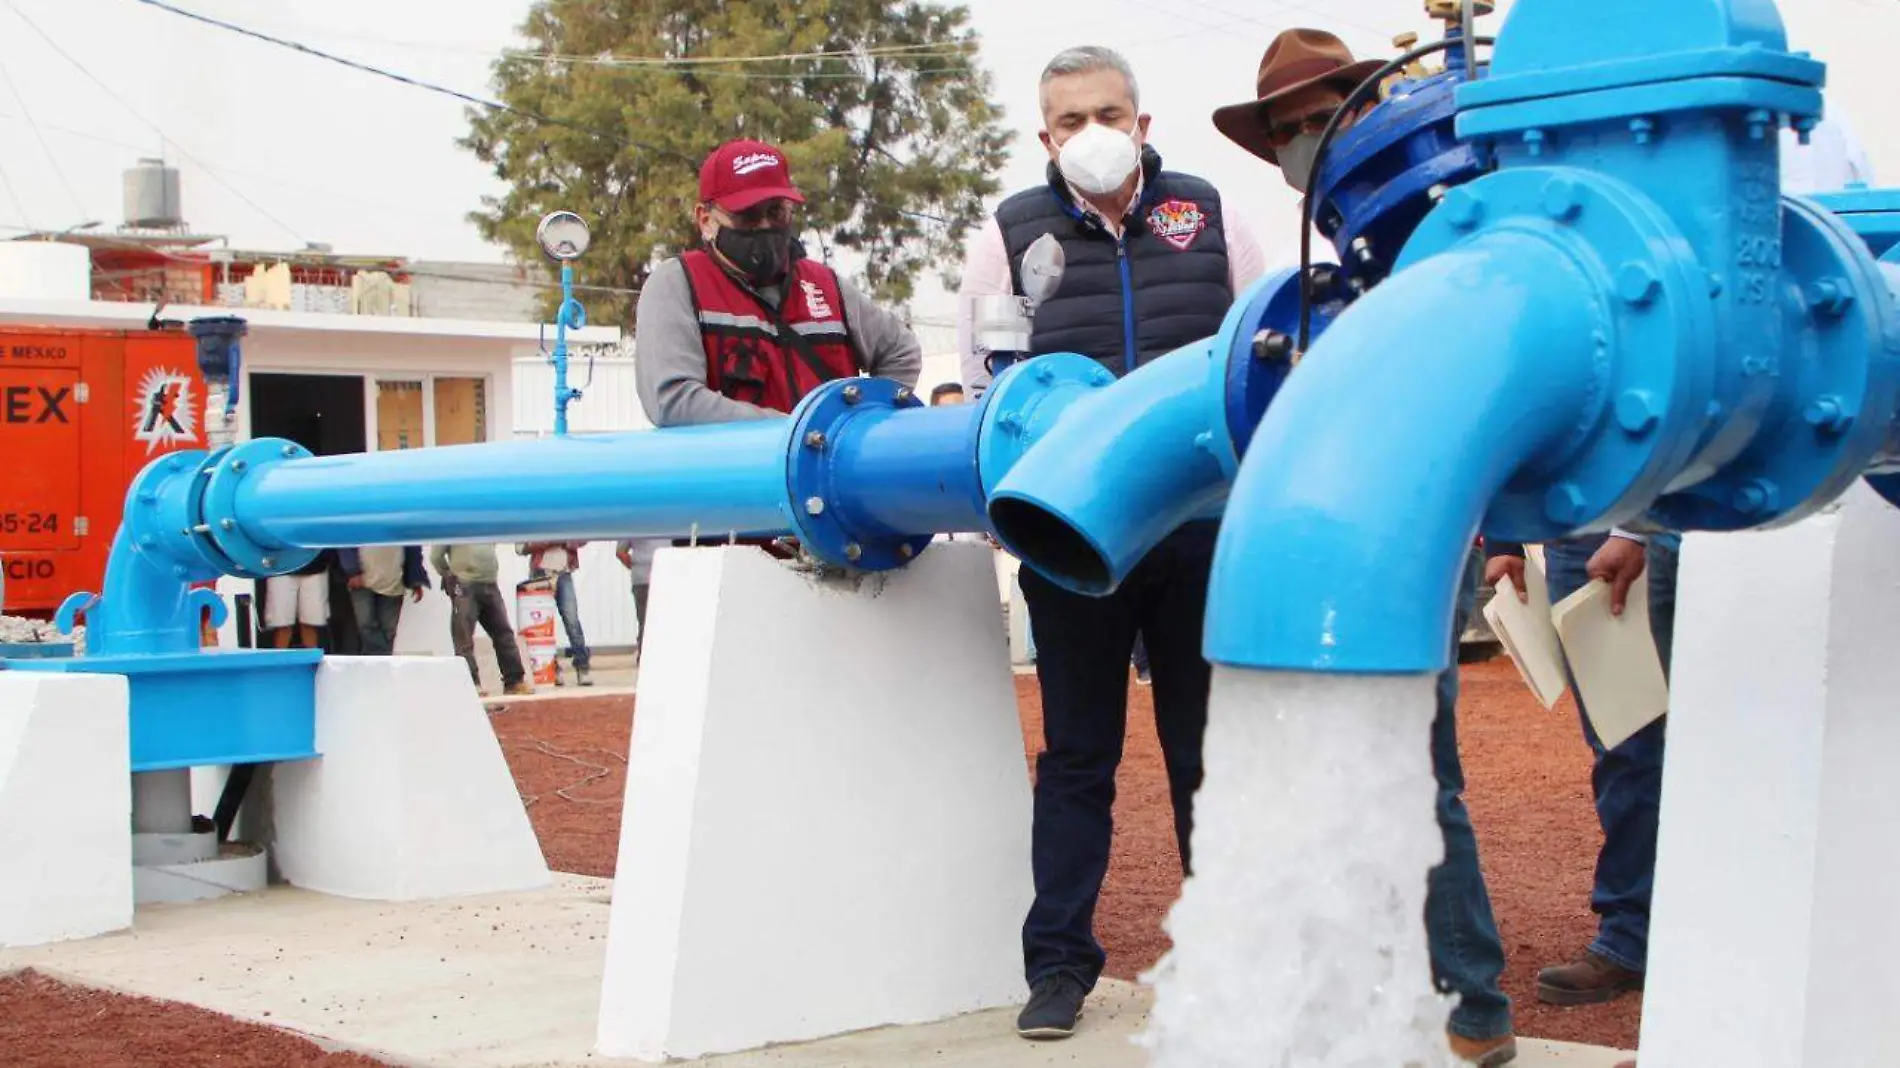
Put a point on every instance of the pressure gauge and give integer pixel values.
(563, 236)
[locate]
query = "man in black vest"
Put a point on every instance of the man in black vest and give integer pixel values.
(1150, 262)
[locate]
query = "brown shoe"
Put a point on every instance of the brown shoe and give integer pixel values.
(517, 689)
(1589, 981)
(1485, 1053)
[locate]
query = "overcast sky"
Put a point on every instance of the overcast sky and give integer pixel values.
(279, 149)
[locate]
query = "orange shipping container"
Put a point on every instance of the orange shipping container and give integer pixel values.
(81, 413)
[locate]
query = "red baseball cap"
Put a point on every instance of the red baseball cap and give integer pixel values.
(741, 174)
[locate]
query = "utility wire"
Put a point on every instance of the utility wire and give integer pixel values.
(71, 193)
(135, 113)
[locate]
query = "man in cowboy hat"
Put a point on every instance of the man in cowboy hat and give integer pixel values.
(1303, 80)
(1126, 262)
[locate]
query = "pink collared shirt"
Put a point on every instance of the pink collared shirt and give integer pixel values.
(986, 274)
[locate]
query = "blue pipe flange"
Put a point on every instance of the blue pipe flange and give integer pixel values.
(1024, 401)
(823, 528)
(1655, 342)
(161, 516)
(1874, 214)
(225, 527)
(1836, 379)
(1259, 334)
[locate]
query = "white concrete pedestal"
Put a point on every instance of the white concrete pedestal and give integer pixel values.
(1776, 926)
(65, 799)
(823, 832)
(411, 798)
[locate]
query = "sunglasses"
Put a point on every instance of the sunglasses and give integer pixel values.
(1281, 134)
(777, 213)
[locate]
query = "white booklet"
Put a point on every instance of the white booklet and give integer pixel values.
(1619, 674)
(1525, 629)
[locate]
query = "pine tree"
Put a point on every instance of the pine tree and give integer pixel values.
(613, 105)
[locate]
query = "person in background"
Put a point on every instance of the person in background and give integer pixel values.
(1152, 262)
(300, 599)
(378, 577)
(947, 393)
(636, 554)
(561, 559)
(1627, 780)
(744, 326)
(1302, 81)
(470, 576)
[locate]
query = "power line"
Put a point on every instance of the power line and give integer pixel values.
(41, 138)
(493, 105)
(135, 113)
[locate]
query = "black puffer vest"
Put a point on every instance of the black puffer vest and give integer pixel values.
(1165, 284)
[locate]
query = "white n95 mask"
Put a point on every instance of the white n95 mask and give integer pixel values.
(1098, 159)
(1296, 160)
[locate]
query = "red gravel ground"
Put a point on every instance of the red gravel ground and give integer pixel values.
(44, 1024)
(1529, 795)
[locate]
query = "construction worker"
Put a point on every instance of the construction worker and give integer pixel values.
(744, 326)
(470, 576)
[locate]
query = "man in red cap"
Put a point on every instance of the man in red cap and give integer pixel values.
(743, 326)
(1303, 80)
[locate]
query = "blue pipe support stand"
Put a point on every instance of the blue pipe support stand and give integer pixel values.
(1694, 368)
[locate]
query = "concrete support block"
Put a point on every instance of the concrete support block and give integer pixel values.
(823, 832)
(1775, 928)
(65, 872)
(411, 798)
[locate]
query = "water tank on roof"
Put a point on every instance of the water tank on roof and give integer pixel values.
(151, 196)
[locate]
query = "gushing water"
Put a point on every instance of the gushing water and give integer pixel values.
(1300, 940)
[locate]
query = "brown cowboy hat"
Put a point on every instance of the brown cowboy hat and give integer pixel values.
(1296, 60)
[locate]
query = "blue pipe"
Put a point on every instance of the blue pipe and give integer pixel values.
(910, 472)
(722, 479)
(570, 314)
(1119, 472)
(1366, 482)
(1157, 449)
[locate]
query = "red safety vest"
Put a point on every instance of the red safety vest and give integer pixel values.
(766, 357)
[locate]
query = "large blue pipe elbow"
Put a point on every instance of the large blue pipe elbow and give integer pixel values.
(1367, 481)
(1124, 468)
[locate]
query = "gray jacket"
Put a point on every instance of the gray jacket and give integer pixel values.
(670, 358)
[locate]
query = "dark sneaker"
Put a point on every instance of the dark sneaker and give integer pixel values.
(1055, 1003)
(1589, 981)
(582, 677)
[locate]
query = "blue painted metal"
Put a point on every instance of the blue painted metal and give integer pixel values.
(1122, 469)
(1874, 214)
(1642, 334)
(570, 316)
(1380, 173)
(1256, 365)
(1364, 486)
(1022, 405)
(873, 479)
(213, 707)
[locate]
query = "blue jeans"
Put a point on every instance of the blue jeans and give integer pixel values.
(1467, 954)
(569, 607)
(1083, 649)
(1627, 780)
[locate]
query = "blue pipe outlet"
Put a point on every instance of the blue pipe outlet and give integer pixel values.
(1366, 482)
(1122, 470)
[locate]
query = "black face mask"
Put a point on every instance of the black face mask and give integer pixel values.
(761, 256)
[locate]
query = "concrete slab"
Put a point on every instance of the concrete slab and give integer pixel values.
(510, 981)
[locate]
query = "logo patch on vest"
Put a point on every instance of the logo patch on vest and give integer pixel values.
(815, 300)
(1178, 222)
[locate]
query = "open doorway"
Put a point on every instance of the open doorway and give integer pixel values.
(327, 415)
